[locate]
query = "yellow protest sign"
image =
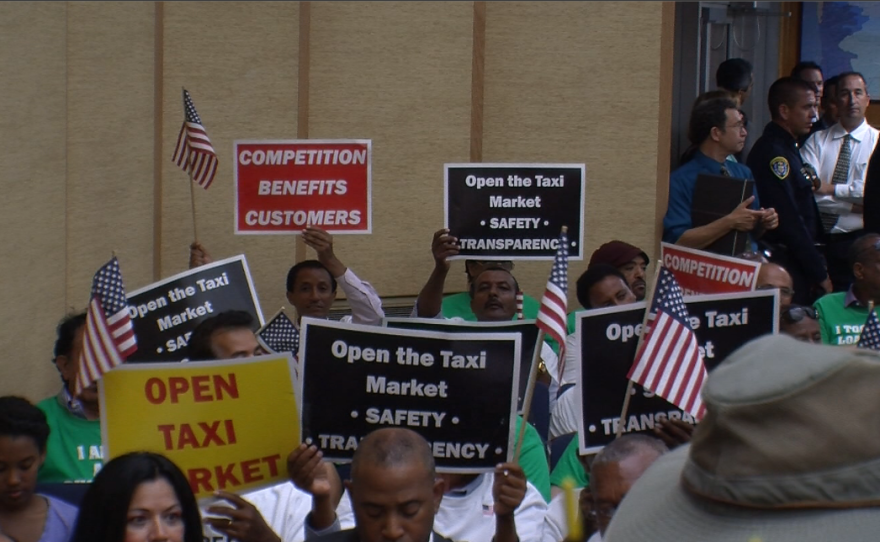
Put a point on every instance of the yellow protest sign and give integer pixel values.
(227, 424)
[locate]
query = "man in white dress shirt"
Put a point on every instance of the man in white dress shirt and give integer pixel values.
(840, 155)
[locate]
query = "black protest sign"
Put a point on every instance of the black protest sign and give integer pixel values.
(515, 211)
(526, 328)
(455, 389)
(165, 313)
(722, 323)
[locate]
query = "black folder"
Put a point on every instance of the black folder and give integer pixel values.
(716, 196)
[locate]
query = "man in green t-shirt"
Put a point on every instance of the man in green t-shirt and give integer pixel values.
(842, 314)
(73, 452)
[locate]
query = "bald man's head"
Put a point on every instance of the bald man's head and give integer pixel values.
(773, 276)
(393, 447)
(393, 488)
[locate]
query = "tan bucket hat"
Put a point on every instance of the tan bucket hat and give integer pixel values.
(789, 451)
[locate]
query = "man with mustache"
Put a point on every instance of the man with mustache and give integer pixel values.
(311, 284)
(629, 260)
(493, 299)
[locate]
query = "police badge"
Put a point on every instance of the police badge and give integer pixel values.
(779, 166)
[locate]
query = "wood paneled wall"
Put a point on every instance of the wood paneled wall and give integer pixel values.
(90, 107)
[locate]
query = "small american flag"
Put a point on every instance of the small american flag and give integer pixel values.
(519, 304)
(669, 362)
(194, 152)
(551, 315)
(870, 337)
(280, 335)
(109, 336)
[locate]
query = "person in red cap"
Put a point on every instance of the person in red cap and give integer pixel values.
(629, 260)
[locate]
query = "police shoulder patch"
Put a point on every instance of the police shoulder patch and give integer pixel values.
(780, 167)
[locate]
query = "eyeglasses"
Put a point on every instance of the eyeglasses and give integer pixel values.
(738, 126)
(796, 313)
(782, 291)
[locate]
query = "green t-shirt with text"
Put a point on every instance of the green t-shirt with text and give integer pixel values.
(840, 325)
(73, 452)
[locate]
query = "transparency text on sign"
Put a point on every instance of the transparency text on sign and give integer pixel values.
(454, 389)
(165, 313)
(210, 418)
(722, 323)
(283, 186)
(699, 272)
(514, 211)
(526, 328)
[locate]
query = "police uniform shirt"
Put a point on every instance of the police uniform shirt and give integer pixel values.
(782, 182)
(822, 150)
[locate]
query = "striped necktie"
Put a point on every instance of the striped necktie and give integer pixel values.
(841, 170)
(840, 176)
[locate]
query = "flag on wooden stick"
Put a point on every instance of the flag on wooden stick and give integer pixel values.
(552, 314)
(669, 362)
(109, 336)
(194, 152)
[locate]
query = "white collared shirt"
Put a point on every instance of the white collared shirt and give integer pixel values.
(822, 150)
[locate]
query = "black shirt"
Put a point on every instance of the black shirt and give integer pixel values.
(872, 193)
(782, 183)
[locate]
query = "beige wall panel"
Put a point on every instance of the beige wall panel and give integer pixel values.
(32, 151)
(398, 73)
(110, 145)
(578, 82)
(239, 62)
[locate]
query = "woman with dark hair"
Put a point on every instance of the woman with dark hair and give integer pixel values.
(26, 516)
(139, 497)
(75, 441)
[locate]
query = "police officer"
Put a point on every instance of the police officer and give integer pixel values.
(784, 182)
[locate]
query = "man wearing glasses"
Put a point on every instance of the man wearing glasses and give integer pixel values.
(613, 472)
(773, 276)
(842, 314)
(717, 129)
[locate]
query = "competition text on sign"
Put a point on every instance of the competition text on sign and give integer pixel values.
(208, 417)
(283, 186)
(165, 313)
(454, 389)
(608, 340)
(699, 272)
(514, 211)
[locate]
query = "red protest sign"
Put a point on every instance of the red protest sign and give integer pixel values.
(282, 186)
(699, 272)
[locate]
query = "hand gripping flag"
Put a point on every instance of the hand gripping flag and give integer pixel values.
(669, 362)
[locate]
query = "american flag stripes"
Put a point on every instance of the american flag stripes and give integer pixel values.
(109, 336)
(870, 337)
(194, 152)
(551, 315)
(280, 335)
(669, 362)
